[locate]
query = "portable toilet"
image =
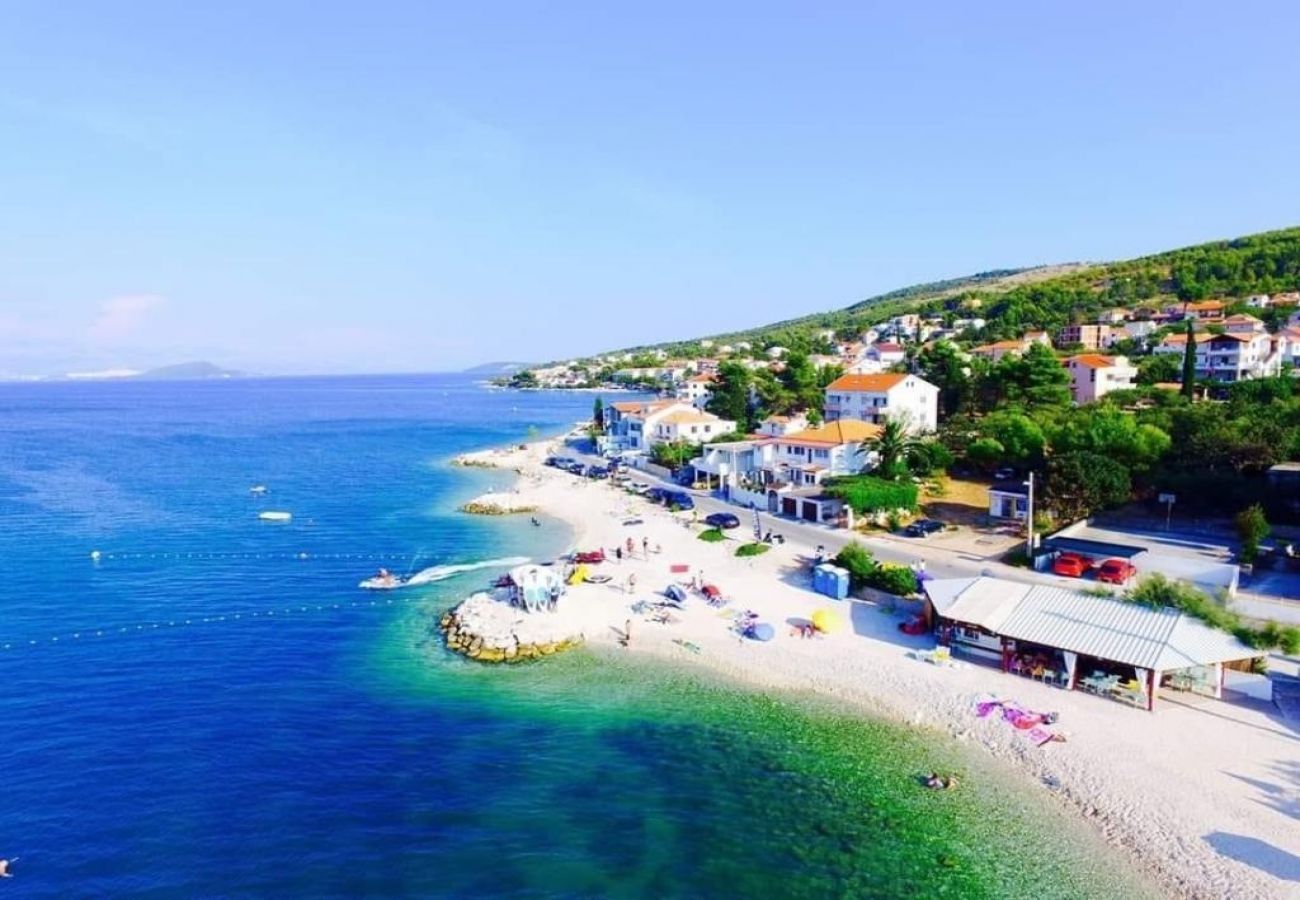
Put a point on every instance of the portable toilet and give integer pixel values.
(831, 581)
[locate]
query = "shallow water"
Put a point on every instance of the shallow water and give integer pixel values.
(311, 739)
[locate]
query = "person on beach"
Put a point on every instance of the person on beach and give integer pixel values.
(627, 633)
(618, 553)
(631, 547)
(645, 547)
(631, 582)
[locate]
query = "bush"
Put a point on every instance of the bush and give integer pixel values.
(1252, 527)
(867, 494)
(864, 571)
(752, 549)
(712, 535)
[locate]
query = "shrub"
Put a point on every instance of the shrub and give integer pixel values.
(866, 494)
(1156, 591)
(1252, 528)
(752, 549)
(866, 572)
(712, 535)
(894, 520)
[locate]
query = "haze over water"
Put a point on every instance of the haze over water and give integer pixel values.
(225, 713)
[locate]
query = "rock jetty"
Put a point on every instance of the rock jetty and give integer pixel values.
(499, 504)
(488, 629)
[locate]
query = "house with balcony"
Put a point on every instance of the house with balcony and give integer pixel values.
(691, 426)
(1093, 376)
(1204, 311)
(888, 395)
(1089, 337)
(1228, 356)
(629, 424)
(696, 390)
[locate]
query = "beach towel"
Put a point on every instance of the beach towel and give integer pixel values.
(679, 568)
(1039, 736)
(985, 707)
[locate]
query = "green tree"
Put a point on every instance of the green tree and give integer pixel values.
(1112, 433)
(1252, 527)
(894, 445)
(1189, 363)
(598, 416)
(673, 454)
(1081, 483)
(1022, 439)
(730, 394)
(524, 379)
(1033, 379)
(942, 365)
(1158, 368)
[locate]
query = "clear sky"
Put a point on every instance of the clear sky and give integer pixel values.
(380, 186)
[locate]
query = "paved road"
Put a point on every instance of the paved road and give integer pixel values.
(804, 537)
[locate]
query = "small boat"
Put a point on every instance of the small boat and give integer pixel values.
(383, 581)
(258, 490)
(273, 516)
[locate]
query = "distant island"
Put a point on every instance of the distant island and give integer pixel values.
(497, 369)
(190, 371)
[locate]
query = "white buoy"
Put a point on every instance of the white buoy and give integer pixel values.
(95, 555)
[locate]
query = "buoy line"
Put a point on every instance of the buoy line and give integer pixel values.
(303, 556)
(91, 634)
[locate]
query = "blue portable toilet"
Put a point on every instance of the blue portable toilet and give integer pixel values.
(831, 581)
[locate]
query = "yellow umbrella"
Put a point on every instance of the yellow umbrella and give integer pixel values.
(825, 621)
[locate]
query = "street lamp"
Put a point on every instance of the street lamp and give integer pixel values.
(1029, 521)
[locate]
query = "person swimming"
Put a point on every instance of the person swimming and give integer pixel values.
(4, 867)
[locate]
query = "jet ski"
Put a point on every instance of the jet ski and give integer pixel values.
(384, 580)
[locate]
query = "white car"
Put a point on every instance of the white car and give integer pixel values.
(638, 487)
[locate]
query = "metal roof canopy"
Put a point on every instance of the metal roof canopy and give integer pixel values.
(1092, 548)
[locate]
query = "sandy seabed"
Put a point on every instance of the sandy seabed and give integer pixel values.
(1203, 795)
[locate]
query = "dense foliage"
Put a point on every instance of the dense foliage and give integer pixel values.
(868, 494)
(864, 571)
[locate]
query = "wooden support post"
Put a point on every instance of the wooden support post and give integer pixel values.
(1154, 681)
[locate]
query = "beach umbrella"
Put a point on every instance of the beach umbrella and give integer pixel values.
(825, 621)
(761, 631)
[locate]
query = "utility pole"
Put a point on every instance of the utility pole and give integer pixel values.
(1029, 522)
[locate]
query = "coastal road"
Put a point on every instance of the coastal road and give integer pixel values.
(805, 537)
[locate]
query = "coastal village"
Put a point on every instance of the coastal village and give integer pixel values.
(1024, 541)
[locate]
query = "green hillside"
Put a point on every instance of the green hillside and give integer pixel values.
(1049, 297)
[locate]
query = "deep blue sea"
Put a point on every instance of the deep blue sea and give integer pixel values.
(213, 709)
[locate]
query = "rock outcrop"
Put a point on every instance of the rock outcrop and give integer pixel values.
(488, 629)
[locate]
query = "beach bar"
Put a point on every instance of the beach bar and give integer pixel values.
(1125, 651)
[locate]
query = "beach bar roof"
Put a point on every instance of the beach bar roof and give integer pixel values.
(1100, 627)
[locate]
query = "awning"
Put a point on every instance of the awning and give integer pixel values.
(1094, 549)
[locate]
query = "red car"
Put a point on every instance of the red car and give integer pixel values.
(1116, 571)
(1071, 564)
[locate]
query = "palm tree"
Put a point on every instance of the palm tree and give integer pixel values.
(893, 445)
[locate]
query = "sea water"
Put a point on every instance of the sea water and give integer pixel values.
(211, 707)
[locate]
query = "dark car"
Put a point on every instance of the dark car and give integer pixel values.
(923, 528)
(722, 520)
(576, 468)
(678, 500)
(597, 472)
(656, 494)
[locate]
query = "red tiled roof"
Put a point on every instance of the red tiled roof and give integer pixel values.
(1091, 360)
(880, 382)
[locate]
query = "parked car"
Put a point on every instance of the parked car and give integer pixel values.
(1071, 564)
(576, 468)
(722, 520)
(656, 494)
(678, 500)
(923, 528)
(1116, 571)
(597, 472)
(638, 487)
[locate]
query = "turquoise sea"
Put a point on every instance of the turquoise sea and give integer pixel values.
(213, 709)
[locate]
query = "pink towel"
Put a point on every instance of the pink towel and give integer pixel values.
(1039, 736)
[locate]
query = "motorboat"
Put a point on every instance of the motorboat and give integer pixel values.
(258, 490)
(274, 516)
(384, 580)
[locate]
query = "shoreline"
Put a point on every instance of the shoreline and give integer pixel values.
(1197, 803)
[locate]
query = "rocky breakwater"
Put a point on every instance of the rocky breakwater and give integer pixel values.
(499, 504)
(488, 629)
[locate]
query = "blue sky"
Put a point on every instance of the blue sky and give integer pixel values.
(394, 186)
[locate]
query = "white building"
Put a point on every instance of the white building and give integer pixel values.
(779, 426)
(776, 352)
(696, 390)
(886, 353)
(690, 426)
(875, 398)
(629, 425)
(1093, 376)
(799, 459)
(1228, 356)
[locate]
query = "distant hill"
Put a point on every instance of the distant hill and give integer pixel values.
(1049, 297)
(190, 371)
(496, 369)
